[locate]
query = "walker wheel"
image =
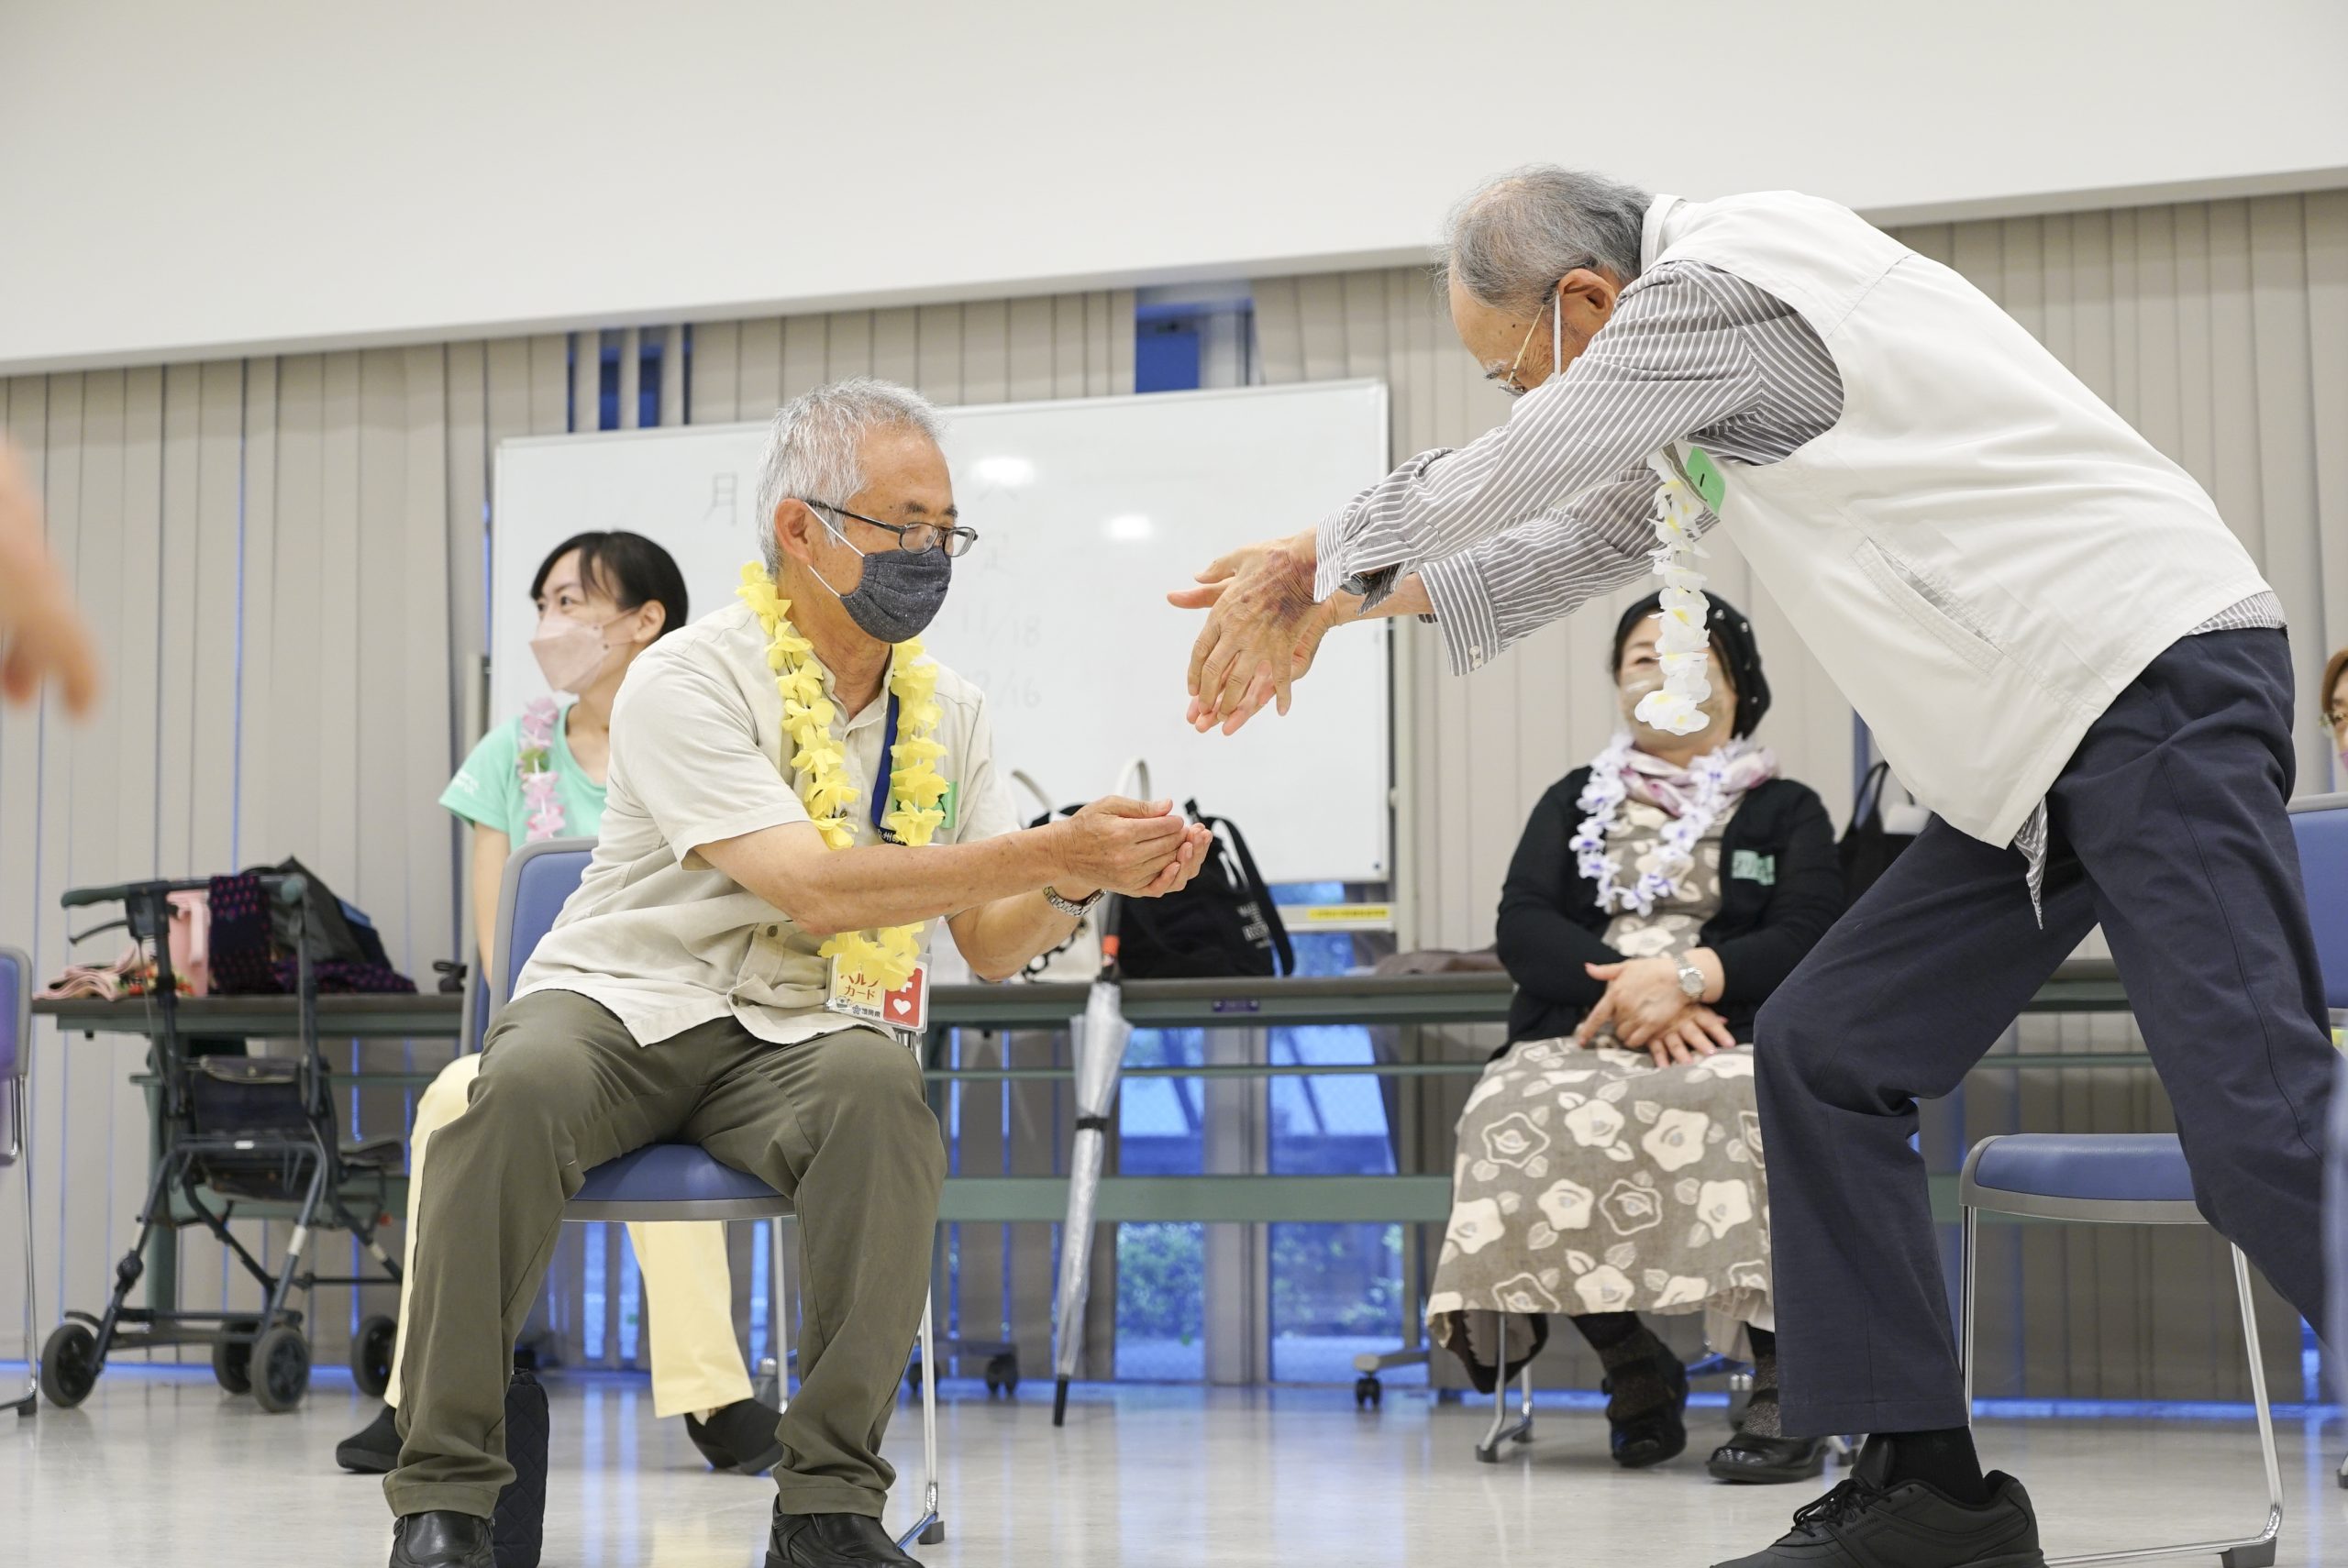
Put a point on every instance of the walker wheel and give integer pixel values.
(1368, 1393)
(371, 1354)
(934, 1535)
(281, 1364)
(69, 1366)
(1002, 1376)
(232, 1361)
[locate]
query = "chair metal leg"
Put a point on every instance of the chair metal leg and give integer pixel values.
(1503, 1429)
(2257, 1551)
(30, 1402)
(1968, 1271)
(778, 1314)
(930, 1529)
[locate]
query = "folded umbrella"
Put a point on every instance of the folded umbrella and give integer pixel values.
(1098, 1045)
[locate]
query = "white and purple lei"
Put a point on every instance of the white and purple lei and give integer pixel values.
(1702, 793)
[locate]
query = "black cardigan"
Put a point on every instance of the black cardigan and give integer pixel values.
(1780, 889)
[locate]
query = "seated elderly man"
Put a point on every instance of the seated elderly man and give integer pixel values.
(794, 794)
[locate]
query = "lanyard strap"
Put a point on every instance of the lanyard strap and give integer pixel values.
(881, 780)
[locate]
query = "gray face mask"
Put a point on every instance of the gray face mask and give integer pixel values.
(899, 595)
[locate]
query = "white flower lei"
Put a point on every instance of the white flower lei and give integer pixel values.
(1602, 798)
(1683, 646)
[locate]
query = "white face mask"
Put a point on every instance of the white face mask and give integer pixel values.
(1720, 709)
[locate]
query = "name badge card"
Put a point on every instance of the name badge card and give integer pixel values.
(857, 996)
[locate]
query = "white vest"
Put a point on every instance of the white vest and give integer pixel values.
(1981, 553)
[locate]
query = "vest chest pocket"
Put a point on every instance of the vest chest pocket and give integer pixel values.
(1917, 598)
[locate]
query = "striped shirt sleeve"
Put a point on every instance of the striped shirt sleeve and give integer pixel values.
(1535, 517)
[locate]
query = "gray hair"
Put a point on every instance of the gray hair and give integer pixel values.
(812, 444)
(1510, 240)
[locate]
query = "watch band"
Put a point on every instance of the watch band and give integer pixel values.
(1070, 906)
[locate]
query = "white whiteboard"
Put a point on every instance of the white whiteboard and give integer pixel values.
(1088, 511)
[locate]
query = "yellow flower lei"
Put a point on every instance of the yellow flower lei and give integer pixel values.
(887, 954)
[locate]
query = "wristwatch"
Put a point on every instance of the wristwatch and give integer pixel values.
(1070, 907)
(1692, 981)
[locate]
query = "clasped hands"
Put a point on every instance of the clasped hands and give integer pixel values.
(1646, 1011)
(1141, 849)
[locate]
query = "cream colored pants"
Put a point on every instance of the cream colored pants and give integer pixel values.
(696, 1362)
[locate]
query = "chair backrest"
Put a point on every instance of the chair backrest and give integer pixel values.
(2320, 824)
(15, 1012)
(15, 1047)
(539, 879)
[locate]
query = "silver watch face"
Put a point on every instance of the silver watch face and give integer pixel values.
(1692, 981)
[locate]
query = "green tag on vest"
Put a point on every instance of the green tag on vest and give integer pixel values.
(951, 802)
(1706, 476)
(1752, 866)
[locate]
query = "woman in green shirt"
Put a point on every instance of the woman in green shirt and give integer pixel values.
(602, 600)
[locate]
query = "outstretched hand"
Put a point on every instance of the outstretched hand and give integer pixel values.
(42, 638)
(1262, 632)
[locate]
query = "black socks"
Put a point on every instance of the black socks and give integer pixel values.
(1761, 1415)
(1944, 1459)
(1633, 1360)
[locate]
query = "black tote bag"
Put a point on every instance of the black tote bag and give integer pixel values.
(1867, 848)
(1224, 925)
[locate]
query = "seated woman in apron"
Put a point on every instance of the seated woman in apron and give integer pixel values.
(601, 599)
(1610, 1159)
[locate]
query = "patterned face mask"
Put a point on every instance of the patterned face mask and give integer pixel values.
(899, 594)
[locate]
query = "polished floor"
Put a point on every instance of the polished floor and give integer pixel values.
(160, 1467)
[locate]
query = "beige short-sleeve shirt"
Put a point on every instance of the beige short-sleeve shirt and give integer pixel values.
(657, 934)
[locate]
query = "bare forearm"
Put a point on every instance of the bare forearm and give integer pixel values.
(999, 939)
(877, 885)
(490, 849)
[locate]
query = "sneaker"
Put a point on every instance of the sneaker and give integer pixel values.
(374, 1449)
(1864, 1523)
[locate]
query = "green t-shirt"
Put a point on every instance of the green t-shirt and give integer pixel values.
(488, 788)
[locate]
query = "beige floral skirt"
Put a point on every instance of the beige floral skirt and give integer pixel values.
(1594, 1181)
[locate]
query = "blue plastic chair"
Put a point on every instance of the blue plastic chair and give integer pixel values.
(671, 1181)
(2321, 824)
(16, 1115)
(2113, 1178)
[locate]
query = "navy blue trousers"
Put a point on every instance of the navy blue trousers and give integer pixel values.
(2169, 830)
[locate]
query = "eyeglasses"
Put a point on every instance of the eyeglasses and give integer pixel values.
(915, 538)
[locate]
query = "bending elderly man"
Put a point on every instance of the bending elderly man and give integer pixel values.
(2054, 638)
(795, 793)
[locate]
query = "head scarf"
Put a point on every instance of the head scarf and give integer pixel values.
(1732, 637)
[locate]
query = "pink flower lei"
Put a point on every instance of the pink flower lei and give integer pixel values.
(534, 763)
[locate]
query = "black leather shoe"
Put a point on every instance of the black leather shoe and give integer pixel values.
(1656, 1435)
(1865, 1524)
(832, 1541)
(741, 1437)
(1760, 1461)
(441, 1540)
(373, 1449)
